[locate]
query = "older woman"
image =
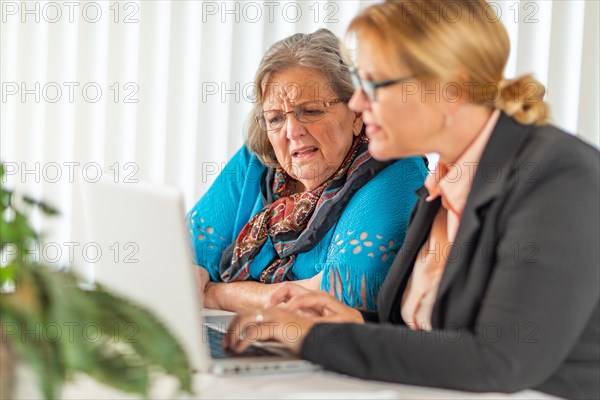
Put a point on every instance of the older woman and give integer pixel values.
(497, 285)
(303, 200)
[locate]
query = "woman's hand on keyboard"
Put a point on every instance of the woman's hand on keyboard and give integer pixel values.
(289, 322)
(263, 325)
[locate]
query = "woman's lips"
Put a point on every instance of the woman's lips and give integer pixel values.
(305, 153)
(373, 131)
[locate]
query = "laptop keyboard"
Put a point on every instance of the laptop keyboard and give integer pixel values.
(215, 338)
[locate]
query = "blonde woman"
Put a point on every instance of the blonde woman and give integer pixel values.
(497, 285)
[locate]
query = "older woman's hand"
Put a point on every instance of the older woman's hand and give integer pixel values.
(292, 312)
(285, 293)
(267, 325)
(202, 277)
(317, 306)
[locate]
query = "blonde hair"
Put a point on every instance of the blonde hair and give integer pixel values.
(319, 51)
(450, 40)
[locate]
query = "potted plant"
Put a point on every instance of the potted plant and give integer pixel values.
(58, 328)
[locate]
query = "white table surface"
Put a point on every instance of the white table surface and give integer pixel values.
(307, 385)
(300, 385)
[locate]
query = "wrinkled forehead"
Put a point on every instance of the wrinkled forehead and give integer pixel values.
(294, 86)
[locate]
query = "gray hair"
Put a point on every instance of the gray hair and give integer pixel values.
(319, 51)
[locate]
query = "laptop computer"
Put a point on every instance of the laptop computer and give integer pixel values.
(145, 256)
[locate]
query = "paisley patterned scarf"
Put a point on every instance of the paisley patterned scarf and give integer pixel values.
(296, 222)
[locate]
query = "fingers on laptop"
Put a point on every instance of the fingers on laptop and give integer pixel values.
(267, 325)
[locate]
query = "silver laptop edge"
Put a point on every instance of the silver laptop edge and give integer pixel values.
(146, 258)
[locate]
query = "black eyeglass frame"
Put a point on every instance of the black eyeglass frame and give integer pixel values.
(261, 121)
(369, 88)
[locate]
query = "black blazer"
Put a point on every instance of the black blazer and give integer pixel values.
(518, 303)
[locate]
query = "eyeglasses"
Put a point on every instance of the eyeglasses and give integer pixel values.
(311, 111)
(369, 88)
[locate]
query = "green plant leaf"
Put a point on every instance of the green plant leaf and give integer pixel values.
(5, 197)
(129, 335)
(148, 336)
(9, 233)
(7, 274)
(29, 342)
(133, 343)
(120, 371)
(24, 230)
(42, 205)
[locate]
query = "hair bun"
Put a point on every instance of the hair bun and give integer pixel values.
(523, 99)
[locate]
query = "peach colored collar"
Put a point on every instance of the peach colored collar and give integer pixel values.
(453, 181)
